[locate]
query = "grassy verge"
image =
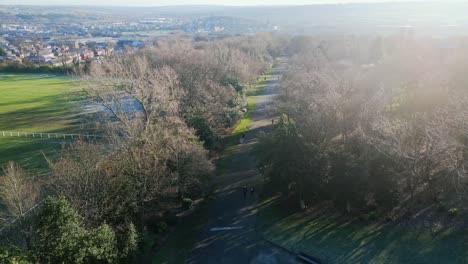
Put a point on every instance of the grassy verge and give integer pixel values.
(231, 142)
(243, 125)
(252, 93)
(335, 240)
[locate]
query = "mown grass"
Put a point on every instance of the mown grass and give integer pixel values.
(35, 103)
(333, 240)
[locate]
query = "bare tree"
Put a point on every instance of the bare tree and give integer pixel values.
(18, 192)
(148, 150)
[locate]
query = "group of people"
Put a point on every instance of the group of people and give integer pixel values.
(245, 191)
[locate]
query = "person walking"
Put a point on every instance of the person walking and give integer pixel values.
(244, 189)
(252, 190)
(242, 138)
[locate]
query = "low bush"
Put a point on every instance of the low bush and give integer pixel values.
(170, 218)
(441, 207)
(373, 216)
(187, 203)
(15, 67)
(453, 212)
(161, 227)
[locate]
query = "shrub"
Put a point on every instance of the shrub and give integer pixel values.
(441, 207)
(453, 212)
(436, 228)
(3, 52)
(187, 203)
(148, 241)
(171, 218)
(14, 256)
(373, 216)
(130, 244)
(161, 227)
(62, 238)
(203, 130)
(16, 67)
(234, 83)
(101, 245)
(363, 217)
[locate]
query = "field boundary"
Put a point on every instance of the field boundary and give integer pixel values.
(48, 135)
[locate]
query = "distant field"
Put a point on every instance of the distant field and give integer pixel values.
(35, 103)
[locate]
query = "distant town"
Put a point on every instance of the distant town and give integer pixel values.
(52, 35)
(44, 36)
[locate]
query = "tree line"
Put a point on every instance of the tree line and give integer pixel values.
(374, 124)
(164, 110)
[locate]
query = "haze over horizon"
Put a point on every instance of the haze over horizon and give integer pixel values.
(200, 2)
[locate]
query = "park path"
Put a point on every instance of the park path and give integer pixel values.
(230, 209)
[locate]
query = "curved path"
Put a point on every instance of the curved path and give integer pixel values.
(230, 233)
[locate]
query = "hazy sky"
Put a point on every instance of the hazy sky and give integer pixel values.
(182, 2)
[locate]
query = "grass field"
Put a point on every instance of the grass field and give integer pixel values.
(35, 103)
(334, 240)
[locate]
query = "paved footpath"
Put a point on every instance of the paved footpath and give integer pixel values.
(230, 235)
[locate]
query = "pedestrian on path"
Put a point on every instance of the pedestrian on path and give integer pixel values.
(242, 138)
(245, 191)
(252, 190)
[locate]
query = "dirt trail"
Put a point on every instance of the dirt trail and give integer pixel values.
(230, 210)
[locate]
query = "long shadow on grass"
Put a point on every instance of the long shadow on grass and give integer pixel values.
(335, 240)
(51, 113)
(58, 98)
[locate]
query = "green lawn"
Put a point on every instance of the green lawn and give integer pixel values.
(336, 241)
(35, 103)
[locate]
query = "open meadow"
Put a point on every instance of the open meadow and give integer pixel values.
(35, 103)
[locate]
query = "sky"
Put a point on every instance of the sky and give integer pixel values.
(185, 2)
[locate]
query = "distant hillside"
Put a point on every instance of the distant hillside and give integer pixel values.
(434, 17)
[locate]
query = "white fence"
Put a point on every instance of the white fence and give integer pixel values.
(48, 135)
